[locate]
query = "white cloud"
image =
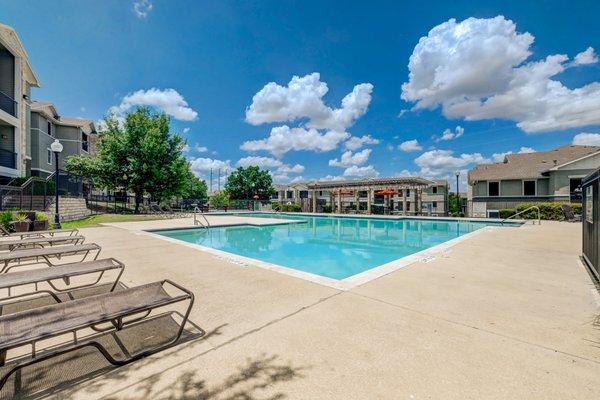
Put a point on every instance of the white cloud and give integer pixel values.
(499, 157)
(297, 179)
(586, 57)
(263, 162)
(476, 69)
(303, 98)
(436, 163)
(167, 100)
(186, 130)
(186, 148)
(196, 147)
(283, 139)
(410, 145)
(349, 159)
(331, 178)
(523, 150)
(361, 172)
(278, 170)
(141, 8)
(202, 165)
(587, 139)
(449, 135)
(355, 142)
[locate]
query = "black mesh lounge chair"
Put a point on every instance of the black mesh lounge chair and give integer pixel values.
(569, 214)
(27, 328)
(50, 256)
(48, 233)
(39, 242)
(62, 272)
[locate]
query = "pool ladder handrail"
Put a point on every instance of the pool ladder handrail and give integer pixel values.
(197, 221)
(539, 218)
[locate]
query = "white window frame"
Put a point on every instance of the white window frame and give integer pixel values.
(523, 187)
(49, 153)
(499, 188)
(87, 141)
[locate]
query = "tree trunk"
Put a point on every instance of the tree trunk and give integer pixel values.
(138, 200)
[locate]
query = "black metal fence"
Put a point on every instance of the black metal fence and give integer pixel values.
(591, 221)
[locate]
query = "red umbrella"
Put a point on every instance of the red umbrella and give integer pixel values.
(386, 192)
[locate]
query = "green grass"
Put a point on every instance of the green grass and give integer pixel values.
(96, 220)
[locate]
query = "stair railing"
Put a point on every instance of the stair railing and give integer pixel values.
(204, 224)
(539, 215)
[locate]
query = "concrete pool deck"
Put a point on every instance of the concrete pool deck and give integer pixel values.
(509, 313)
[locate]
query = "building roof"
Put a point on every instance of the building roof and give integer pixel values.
(404, 182)
(530, 165)
(10, 39)
(49, 111)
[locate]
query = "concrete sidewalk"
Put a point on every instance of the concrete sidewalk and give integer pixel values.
(507, 314)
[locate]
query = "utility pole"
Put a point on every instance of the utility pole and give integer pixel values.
(211, 181)
(219, 180)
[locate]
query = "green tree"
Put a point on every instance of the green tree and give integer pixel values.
(245, 183)
(196, 188)
(219, 199)
(139, 156)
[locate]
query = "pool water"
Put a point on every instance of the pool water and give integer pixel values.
(333, 247)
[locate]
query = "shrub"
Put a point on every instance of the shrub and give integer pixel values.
(290, 208)
(507, 212)
(548, 211)
(327, 208)
(5, 218)
(577, 208)
(219, 199)
(40, 216)
(276, 206)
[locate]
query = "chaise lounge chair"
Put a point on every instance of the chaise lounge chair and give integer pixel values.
(27, 328)
(39, 242)
(48, 233)
(570, 216)
(47, 256)
(62, 272)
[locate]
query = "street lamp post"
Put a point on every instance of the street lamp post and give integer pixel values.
(457, 174)
(56, 148)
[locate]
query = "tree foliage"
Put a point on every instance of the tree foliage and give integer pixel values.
(196, 188)
(139, 156)
(219, 199)
(245, 183)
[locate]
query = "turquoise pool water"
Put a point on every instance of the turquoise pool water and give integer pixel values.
(334, 247)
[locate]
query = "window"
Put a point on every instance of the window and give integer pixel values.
(434, 190)
(304, 194)
(49, 128)
(84, 142)
(434, 204)
(407, 192)
(289, 194)
(528, 188)
(49, 156)
(494, 189)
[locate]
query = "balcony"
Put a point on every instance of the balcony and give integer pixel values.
(7, 104)
(8, 159)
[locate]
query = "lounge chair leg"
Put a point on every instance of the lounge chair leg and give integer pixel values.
(2, 357)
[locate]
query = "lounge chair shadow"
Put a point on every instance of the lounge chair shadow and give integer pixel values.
(64, 372)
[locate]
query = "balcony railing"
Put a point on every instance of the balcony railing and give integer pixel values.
(8, 159)
(7, 104)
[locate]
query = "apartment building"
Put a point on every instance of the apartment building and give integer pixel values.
(544, 176)
(75, 134)
(16, 80)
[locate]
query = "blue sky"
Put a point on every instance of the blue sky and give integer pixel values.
(498, 84)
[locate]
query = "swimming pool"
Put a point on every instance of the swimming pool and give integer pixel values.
(331, 247)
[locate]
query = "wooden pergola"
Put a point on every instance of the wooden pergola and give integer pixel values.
(387, 186)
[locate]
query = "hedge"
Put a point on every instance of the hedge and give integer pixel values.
(548, 211)
(285, 207)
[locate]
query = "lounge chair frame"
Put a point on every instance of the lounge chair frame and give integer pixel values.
(51, 233)
(40, 242)
(118, 324)
(45, 256)
(37, 276)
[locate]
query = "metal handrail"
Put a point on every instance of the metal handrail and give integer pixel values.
(197, 222)
(539, 218)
